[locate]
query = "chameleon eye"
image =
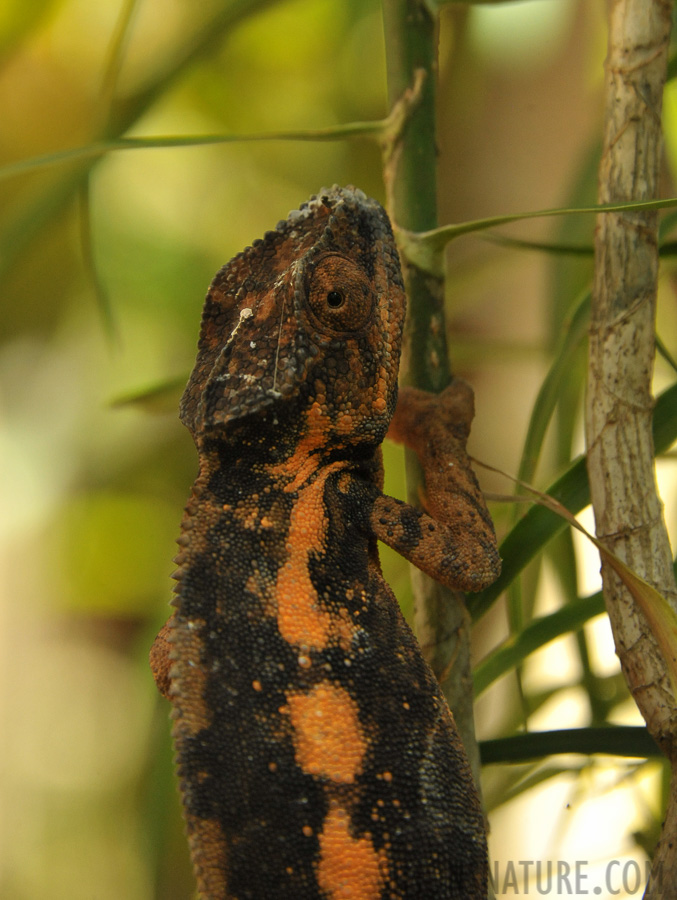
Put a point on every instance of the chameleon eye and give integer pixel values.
(335, 299)
(340, 294)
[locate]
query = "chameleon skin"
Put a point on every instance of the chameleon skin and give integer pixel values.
(316, 755)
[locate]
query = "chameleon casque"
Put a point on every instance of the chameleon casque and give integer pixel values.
(317, 757)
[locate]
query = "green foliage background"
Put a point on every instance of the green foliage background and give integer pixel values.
(104, 261)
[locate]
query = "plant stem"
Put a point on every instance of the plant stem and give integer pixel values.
(410, 173)
(411, 184)
(628, 512)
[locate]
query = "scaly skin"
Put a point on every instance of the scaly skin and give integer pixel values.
(317, 757)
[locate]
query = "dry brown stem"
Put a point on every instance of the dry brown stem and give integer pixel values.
(628, 511)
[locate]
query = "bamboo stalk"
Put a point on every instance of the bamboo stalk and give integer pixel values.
(410, 171)
(628, 511)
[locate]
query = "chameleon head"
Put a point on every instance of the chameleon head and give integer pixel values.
(313, 311)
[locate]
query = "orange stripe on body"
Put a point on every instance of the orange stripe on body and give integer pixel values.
(349, 868)
(299, 617)
(329, 741)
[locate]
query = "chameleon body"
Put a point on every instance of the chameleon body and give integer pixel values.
(316, 755)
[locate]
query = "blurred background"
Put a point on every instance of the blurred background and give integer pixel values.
(104, 263)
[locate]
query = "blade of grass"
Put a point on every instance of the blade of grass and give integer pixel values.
(545, 246)
(666, 225)
(659, 614)
(657, 611)
(91, 269)
(523, 782)
(665, 353)
(163, 396)
(668, 248)
(569, 278)
(423, 248)
(573, 333)
(116, 52)
(112, 68)
(97, 149)
(615, 740)
(539, 632)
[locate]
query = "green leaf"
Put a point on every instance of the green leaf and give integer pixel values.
(423, 248)
(573, 333)
(665, 353)
(658, 612)
(522, 783)
(161, 396)
(116, 50)
(91, 268)
(668, 248)
(539, 632)
(616, 740)
(544, 246)
(98, 149)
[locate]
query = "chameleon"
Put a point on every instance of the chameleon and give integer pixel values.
(316, 755)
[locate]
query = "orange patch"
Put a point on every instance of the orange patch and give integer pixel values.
(349, 868)
(304, 461)
(209, 854)
(328, 738)
(299, 617)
